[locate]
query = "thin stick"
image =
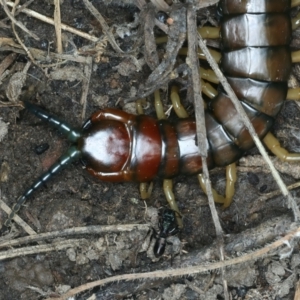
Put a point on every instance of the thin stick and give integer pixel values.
(17, 36)
(87, 230)
(88, 68)
(44, 55)
(104, 25)
(201, 128)
(199, 110)
(57, 25)
(205, 3)
(20, 8)
(48, 20)
(56, 246)
(6, 62)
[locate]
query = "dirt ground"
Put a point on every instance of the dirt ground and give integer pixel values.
(74, 199)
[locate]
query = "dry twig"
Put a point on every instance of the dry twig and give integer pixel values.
(88, 230)
(57, 25)
(41, 55)
(105, 27)
(85, 85)
(201, 127)
(50, 21)
(6, 62)
(55, 246)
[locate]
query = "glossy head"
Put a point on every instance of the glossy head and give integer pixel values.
(105, 146)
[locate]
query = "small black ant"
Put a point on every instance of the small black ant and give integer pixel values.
(167, 227)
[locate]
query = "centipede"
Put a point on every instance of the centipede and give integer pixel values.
(116, 146)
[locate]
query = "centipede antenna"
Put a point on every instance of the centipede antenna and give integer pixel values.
(71, 155)
(72, 134)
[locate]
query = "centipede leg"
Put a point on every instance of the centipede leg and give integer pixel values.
(215, 54)
(177, 106)
(207, 32)
(293, 94)
(230, 183)
(208, 75)
(146, 190)
(217, 197)
(208, 89)
(274, 146)
(168, 190)
(295, 3)
(167, 183)
(296, 20)
(159, 106)
(230, 190)
(139, 106)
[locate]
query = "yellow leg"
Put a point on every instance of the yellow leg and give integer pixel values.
(295, 3)
(168, 190)
(293, 94)
(159, 106)
(296, 21)
(178, 107)
(208, 89)
(146, 190)
(274, 146)
(161, 40)
(215, 54)
(208, 32)
(208, 75)
(230, 182)
(167, 183)
(139, 106)
(217, 197)
(295, 55)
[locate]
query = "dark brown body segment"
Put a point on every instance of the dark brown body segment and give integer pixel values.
(264, 64)
(256, 59)
(254, 6)
(259, 30)
(264, 96)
